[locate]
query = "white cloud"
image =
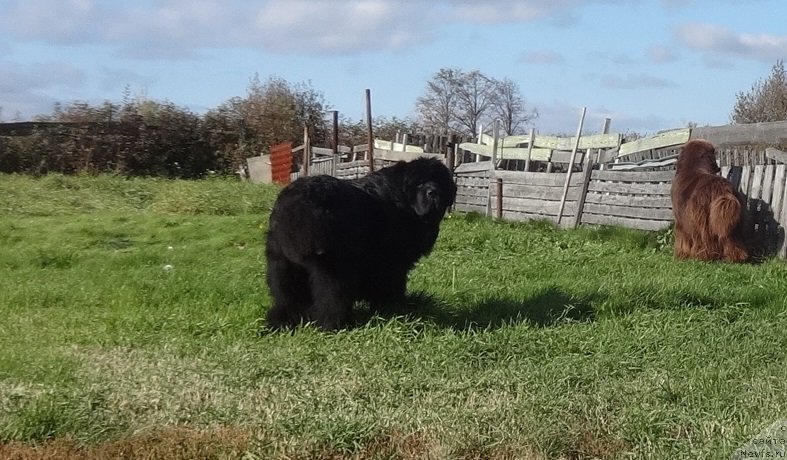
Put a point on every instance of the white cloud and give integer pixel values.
(634, 81)
(181, 28)
(22, 78)
(334, 27)
(65, 21)
(24, 88)
(722, 40)
(542, 57)
(112, 79)
(662, 54)
(618, 59)
(507, 11)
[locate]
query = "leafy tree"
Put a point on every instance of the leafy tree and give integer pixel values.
(766, 101)
(351, 132)
(272, 112)
(223, 128)
(169, 142)
(388, 129)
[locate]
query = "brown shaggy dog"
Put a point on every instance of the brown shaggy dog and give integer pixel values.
(708, 211)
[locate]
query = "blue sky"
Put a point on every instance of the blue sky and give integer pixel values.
(648, 65)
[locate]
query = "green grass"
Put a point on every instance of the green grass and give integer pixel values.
(131, 309)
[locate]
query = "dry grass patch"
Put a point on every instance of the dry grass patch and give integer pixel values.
(177, 443)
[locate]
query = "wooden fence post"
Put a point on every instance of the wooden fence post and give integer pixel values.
(571, 166)
(492, 165)
(495, 134)
(370, 134)
(530, 148)
(480, 135)
(335, 142)
(499, 197)
(307, 157)
(449, 160)
(587, 171)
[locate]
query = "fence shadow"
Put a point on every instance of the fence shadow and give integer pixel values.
(762, 234)
(549, 307)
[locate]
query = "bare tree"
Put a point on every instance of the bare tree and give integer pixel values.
(458, 102)
(766, 101)
(437, 107)
(476, 96)
(511, 108)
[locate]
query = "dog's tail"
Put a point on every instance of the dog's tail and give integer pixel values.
(725, 221)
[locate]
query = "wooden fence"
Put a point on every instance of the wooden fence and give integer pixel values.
(358, 166)
(736, 145)
(765, 189)
(634, 190)
(631, 199)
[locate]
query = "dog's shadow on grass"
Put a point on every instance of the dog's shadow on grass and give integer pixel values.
(549, 307)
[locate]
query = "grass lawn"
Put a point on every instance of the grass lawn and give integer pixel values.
(132, 328)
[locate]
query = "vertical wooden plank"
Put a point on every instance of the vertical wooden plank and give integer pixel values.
(587, 171)
(767, 183)
(450, 158)
(765, 219)
(499, 198)
(530, 148)
(734, 175)
(488, 198)
(745, 180)
(307, 151)
(779, 202)
(756, 182)
(571, 166)
(753, 199)
(369, 132)
(782, 252)
(335, 142)
(605, 130)
(779, 179)
(480, 135)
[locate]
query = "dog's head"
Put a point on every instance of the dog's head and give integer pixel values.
(429, 187)
(698, 155)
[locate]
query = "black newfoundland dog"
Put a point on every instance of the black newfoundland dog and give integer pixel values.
(331, 242)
